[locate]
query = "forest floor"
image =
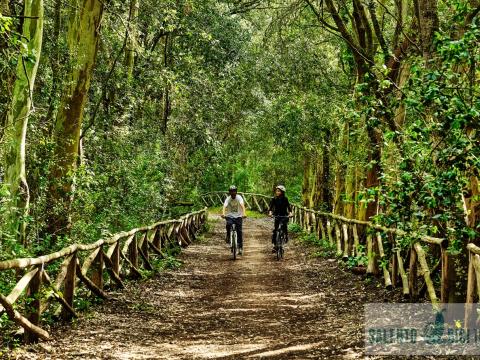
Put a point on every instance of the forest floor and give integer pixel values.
(215, 308)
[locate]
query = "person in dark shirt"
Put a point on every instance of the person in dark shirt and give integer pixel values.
(280, 206)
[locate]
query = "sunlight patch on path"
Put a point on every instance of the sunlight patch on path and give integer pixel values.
(286, 350)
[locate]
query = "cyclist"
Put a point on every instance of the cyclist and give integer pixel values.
(234, 212)
(280, 206)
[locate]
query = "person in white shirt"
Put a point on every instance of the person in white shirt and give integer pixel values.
(234, 212)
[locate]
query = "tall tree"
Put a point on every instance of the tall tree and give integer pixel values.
(82, 38)
(17, 119)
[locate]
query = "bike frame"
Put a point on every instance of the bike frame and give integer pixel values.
(280, 237)
(233, 240)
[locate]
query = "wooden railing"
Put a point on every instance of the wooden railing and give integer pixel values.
(473, 282)
(111, 260)
(347, 235)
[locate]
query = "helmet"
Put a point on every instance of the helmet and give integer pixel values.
(281, 188)
(232, 188)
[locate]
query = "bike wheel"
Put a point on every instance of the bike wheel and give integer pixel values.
(278, 244)
(234, 245)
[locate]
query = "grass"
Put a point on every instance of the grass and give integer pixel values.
(323, 248)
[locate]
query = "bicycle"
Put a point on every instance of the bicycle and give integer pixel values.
(280, 238)
(233, 240)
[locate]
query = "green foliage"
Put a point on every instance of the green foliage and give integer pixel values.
(360, 259)
(440, 150)
(322, 248)
(295, 228)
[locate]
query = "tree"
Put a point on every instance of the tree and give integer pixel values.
(83, 36)
(17, 118)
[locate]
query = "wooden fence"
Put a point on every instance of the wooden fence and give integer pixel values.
(398, 267)
(88, 266)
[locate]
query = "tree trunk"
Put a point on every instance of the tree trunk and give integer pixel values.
(167, 106)
(132, 38)
(17, 119)
(428, 24)
(307, 180)
(83, 36)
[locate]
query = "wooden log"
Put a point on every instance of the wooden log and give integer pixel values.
(394, 262)
(114, 274)
(59, 280)
(115, 258)
(146, 262)
(338, 237)
(306, 220)
(445, 280)
(259, 208)
(426, 274)
(127, 243)
(345, 241)
(16, 317)
(144, 252)
(329, 231)
(423, 238)
(134, 272)
(34, 309)
(89, 261)
(412, 275)
(133, 252)
(179, 236)
(69, 287)
(473, 248)
(220, 199)
(66, 306)
(370, 256)
(183, 231)
(313, 224)
(403, 274)
(204, 200)
(97, 269)
(89, 284)
(322, 233)
(157, 251)
(247, 204)
(386, 273)
(471, 281)
(476, 266)
(20, 287)
(356, 240)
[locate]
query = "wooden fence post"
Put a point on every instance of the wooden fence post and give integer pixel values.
(133, 255)
(403, 274)
(33, 307)
(356, 240)
(445, 280)
(338, 236)
(412, 274)
(322, 234)
(345, 241)
(386, 273)
(116, 258)
(370, 255)
(329, 231)
(69, 287)
(97, 269)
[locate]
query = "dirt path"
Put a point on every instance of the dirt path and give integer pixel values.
(215, 308)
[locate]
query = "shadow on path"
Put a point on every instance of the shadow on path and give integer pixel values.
(216, 308)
